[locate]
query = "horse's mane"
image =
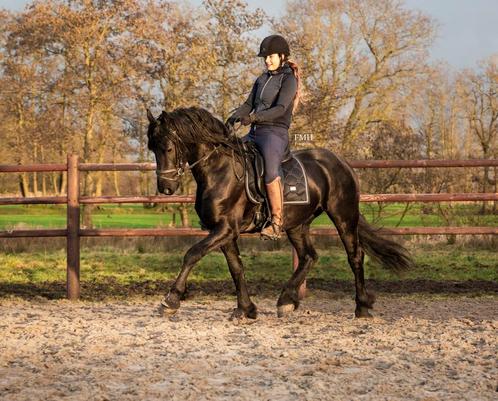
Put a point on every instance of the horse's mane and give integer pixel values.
(194, 125)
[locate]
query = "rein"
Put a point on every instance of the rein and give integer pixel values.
(233, 131)
(181, 170)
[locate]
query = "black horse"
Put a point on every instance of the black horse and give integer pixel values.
(194, 136)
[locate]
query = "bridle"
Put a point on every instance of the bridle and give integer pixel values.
(180, 170)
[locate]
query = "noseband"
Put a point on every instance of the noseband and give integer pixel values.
(179, 171)
(161, 174)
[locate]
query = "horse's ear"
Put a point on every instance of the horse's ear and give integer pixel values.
(150, 117)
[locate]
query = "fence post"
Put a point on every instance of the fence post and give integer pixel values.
(73, 228)
(295, 264)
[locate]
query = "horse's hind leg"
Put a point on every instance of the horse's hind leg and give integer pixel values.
(245, 307)
(348, 231)
(301, 240)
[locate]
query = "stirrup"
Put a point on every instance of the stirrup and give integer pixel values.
(272, 231)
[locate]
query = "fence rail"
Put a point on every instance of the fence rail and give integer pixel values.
(99, 200)
(40, 168)
(195, 232)
(73, 200)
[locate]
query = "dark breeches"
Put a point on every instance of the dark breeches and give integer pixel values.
(272, 143)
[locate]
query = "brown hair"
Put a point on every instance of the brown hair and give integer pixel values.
(295, 69)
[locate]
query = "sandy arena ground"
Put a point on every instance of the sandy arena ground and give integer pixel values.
(414, 349)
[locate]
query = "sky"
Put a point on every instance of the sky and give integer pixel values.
(468, 29)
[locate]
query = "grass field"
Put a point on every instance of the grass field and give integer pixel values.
(114, 273)
(136, 216)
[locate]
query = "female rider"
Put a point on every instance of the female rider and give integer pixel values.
(268, 110)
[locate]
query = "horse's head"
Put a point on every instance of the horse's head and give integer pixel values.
(168, 161)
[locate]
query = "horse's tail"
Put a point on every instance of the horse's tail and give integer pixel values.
(389, 254)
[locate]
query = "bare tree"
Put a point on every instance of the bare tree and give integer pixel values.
(357, 56)
(479, 94)
(232, 52)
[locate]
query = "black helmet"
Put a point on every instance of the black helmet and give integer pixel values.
(273, 44)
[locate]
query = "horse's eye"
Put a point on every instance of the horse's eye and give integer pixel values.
(170, 150)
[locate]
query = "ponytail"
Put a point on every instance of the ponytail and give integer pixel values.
(295, 70)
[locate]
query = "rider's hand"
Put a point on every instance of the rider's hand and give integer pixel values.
(246, 120)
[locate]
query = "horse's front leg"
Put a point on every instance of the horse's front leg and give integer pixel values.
(245, 307)
(216, 238)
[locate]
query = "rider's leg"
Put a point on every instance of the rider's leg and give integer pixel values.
(272, 142)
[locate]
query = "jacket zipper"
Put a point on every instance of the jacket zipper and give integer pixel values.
(264, 86)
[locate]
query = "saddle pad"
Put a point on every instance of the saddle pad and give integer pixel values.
(293, 176)
(295, 182)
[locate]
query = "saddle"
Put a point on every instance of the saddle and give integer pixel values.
(292, 174)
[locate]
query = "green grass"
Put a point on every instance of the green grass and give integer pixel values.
(448, 263)
(104, 217)
(108, 273)
(136, 216)
(115, 272)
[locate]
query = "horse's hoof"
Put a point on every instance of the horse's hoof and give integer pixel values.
(284, 310)
(165, 310)
(238, 317)
(240, 314)
(252, 313)
(362, 313)
(237, 314)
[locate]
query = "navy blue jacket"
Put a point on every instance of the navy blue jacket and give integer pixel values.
(271, 98)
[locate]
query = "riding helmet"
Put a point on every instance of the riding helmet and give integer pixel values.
(273, 44)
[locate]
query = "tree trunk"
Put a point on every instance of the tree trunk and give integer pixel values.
(23, 185)
(116, 183)
(348, 137)
(55, 183)
(35, 183)
(99, 183)
(183, 208)
(87, 151)
(44, 184)
(184, 215)
(43, 175)
(86, 210)
(496, 190)
(486, 179)
(62, 183)
(99, 176)
(88, 183)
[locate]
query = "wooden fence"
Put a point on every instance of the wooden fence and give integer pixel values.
(73, 200)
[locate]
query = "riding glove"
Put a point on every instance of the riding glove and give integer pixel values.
(247, 120)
